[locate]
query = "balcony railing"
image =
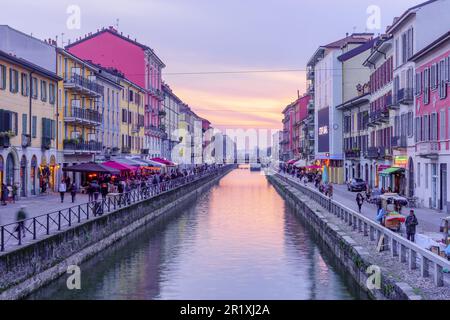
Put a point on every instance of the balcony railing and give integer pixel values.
(78, 82)
(82, 147)
(81, 115)
(390, 103)
(310, 74)
(26, 140)
(352, 154)
(376, 152)
(126, 150)
(378, 117)
(428, 149)
(399, 142)
(404, 96)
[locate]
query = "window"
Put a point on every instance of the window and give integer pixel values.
(24, 84)
(426, 128)
(34, 88)
(442, 125)
(426, 175)
(43, 90)
(410, 124)
(426, 86)
(442, 80)
(124, 116)
(13, 80)
(434, 127)
(51, 93)
(2, 77)
(34, 127)
(434, 76)
(418, 84)
(24, 123)
(418, 174)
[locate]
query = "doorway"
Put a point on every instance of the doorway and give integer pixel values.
(443, 188)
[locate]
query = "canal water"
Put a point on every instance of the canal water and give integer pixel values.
(240, 240)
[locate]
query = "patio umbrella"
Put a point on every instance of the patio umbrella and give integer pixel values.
(91, 167)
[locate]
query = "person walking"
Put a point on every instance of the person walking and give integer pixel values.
(21, 216)
(359, 201)
(4, 194)
(62, 189)
(411, 223)
(104, 189)
(73, 191)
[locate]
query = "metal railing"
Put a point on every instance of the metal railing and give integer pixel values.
(50, 223)
(85, 83)
(407, 252)
(84, 114)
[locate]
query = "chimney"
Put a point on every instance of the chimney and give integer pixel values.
(298, 94)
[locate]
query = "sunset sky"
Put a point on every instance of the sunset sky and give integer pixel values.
(193, 36)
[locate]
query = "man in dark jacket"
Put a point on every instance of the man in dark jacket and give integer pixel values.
(411, 223)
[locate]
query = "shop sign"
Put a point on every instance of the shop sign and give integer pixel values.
(401, 161)
(383, 167)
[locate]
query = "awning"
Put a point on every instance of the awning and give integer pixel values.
(129, 162)
(292, 161)
(91, 167)
(391, 170)
(300, 163)
(120, 166)
(164, 161)
(314, 167)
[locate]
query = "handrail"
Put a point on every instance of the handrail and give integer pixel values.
(45, 224)
(407, 251)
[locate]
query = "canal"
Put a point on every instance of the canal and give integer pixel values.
(240, 240)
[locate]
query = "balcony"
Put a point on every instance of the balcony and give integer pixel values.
(135, 128)
(352, 154)
(390, 104)
(404, 96)
(399, 142)
(310, 89)
(73, 146)
(311, 105)
(378, 117)
(84, 86)
(145, 151)
(162, 113)
(82, 116)
(428, 150)
(376, 153)
(46, 143)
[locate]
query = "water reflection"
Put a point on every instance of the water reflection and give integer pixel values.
(238, 241)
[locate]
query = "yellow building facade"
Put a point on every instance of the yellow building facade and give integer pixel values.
(28, 104)
(80, 96)
(132, 131)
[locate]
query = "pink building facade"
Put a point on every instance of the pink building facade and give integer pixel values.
(432, 122)
(139, 64)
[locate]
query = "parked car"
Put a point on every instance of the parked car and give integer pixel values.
(356, 185)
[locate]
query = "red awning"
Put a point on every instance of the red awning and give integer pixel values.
(164, 161)
(292, 161)
(120, 166)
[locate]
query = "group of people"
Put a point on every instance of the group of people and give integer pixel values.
(308, 177)
(9, 193)
(107, 184)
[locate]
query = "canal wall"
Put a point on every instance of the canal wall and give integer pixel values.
(30, 267)
(354, 258)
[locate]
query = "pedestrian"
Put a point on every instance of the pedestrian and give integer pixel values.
(380, 213)
(62, 189)
(14, 193)
(90, 191)
(359, 201)
(21, 216)
(4, 194)
(411, 223)
(104, 189)
(330, 190)
(73, 191)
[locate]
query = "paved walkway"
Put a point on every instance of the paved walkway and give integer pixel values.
(429, 220)
(38, 205)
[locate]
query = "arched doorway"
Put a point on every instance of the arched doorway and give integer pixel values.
(23, 176)
(10, 168)
(410, 177)
(33, 174)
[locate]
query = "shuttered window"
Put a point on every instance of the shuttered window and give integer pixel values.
(2, 77)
